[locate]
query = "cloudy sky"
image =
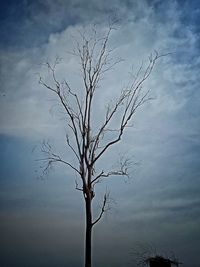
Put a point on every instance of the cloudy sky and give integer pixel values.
(42, 220)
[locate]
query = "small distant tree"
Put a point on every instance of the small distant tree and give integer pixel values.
(145, 255)
(87, 143)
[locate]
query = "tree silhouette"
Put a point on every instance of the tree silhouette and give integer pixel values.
(87, 143)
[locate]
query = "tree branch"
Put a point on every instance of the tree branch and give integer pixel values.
(103, 208)
(51, 158)
(124, 166)
(134, 99)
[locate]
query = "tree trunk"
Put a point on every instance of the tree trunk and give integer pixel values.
(88, 233)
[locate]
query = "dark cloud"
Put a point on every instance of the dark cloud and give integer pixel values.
(29, 23)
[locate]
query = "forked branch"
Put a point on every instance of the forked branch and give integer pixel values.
(123, 170)
(50, 158)
(130, 99)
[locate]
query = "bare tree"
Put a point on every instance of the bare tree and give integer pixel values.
(146, 254)
(87, 143)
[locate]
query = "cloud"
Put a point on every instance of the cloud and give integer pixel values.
(134, 42)
(162, 201)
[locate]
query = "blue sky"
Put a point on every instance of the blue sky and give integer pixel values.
(42, 220)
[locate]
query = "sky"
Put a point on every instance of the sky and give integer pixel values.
(157, 208)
